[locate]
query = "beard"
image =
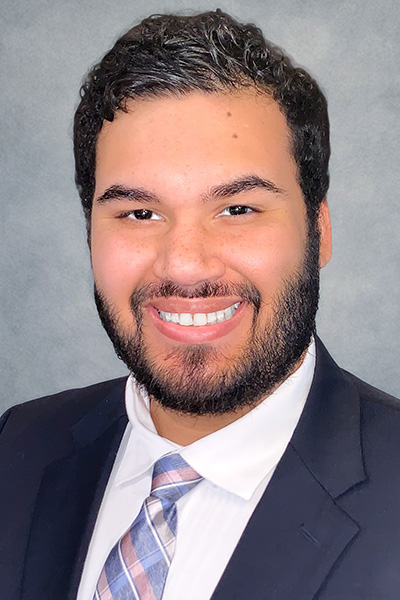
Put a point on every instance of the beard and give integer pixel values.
(192, 383)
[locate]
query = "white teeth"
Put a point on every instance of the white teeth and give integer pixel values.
(231, 312)
(220, 316)
(199, 319)
(185, 319)
(211, 318)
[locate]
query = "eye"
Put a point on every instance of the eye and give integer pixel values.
(141, 214)
(237, 210)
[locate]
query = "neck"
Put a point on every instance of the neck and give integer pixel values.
(184, 429)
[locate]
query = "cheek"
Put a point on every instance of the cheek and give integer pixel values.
(266, 257)
(118, 265)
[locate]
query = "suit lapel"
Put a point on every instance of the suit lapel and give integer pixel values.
(298, 531)
(67, 504)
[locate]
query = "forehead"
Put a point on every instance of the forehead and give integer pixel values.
(195, 136)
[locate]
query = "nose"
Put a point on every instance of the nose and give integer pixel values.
(188, 255)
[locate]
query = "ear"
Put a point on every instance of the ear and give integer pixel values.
(325, 229)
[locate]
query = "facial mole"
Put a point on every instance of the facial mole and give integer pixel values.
(228, 114)
(235, 135)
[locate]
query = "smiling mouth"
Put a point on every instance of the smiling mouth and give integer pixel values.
(199, 319)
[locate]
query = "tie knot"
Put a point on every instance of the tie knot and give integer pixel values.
(173, 478)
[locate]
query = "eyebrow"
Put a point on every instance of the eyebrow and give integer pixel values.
(242, 184)
(224, 190)
(120, 192)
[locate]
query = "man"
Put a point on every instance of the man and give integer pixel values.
(202, 164)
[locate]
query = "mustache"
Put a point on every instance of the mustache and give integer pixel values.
(168, 289)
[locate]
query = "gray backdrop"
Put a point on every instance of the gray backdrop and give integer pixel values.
(51, 337)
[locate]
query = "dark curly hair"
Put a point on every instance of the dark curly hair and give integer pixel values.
(211, 52)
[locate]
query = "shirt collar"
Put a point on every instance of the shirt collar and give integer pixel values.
(237, 457)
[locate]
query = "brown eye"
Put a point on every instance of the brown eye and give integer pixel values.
(142, 214)
(237, 210)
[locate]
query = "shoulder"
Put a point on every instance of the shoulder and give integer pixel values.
(376, 406)
(330, 378)
(352, 413)
(66, 407)
(373, 396)
(380, 429)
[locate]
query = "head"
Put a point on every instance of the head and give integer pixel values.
(157, 114)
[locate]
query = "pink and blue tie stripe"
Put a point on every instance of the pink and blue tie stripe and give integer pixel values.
(137, 566)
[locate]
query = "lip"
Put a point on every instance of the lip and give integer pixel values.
(196, 334)
(193, 305)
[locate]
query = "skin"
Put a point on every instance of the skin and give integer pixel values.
(176, 152)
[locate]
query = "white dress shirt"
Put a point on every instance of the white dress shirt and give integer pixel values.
(237, 463)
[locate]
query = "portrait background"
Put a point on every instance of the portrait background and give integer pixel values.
(51, 337)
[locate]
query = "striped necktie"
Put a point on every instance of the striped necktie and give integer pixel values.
(137, 566)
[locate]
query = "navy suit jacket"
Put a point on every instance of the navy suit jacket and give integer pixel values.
(327, 527)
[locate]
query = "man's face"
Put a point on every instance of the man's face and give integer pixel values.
(206, 274)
